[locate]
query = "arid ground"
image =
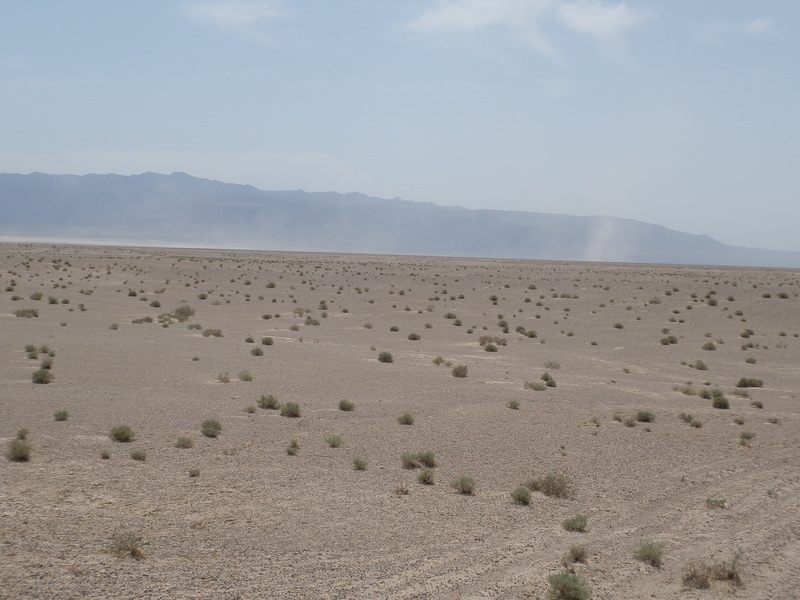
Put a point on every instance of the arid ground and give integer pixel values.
(713, 488)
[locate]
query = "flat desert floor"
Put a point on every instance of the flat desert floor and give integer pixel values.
(243, 515)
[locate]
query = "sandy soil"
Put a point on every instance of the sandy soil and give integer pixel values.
(260, 523)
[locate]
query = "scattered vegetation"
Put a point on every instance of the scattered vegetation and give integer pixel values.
(385, 357)
(463, 485)
(291, 410)
(650, 552)
(459, 371)
(127, 544)
(567, 586)
(211, 428)
(346, 405)
(553, 485)
(576, 523)
(61, 415)
(406, 419)
(122, 433)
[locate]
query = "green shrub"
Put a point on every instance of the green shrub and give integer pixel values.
(425, 477)
(250, 409)
(720, 402)
(267, 341)
(757, 404)
(138, 454)
(360, 464)
(245, 376)
(414, 337)
(406, 419)
(42, 376)
(749, 382)
(644, 416)
(575, 554)
(334, 441)
(183, 313)
(459, 371)
(548, 380)
(291, 410)
(18, 450)
(194, 472)
(268, 402)
(521, 495)
(716, 503)
(211, 428)
(346, 405)
(385, 357)
(553, 485)
(513, 404)
(670, 339)
(224, 377)
(567, 586)
(686, 417)
(105, 454)
(463, 485)
(26, 313)
(212, 333)
(122, 433)
(709, 346)
(650, 552)
(127, 544)
(576, 523)
(61, 415)
(629, 422)
(257, 352)
(184, 442)
(426, 459)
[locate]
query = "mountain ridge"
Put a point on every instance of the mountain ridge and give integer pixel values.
(180, 209)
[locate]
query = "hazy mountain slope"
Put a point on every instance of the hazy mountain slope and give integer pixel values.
(184, 210)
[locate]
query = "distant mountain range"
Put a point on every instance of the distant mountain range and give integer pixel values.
(181, 210)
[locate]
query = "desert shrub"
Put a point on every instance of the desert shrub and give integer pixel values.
(463, 485)
(747, 435)
(46, 363)
(720, 402)
(548, 380)
(18, 450)
(686, 417)
(257, 351)
(334, 441)
(750, 360)
(438, 360)
(700, 365)
(346, 405)
(138, 454)
(459, 371)
(513, 404)
(567, 586)
(413, 337)
(696, 424)
(42, 376)
(650, 552)
(184, 442)
(250, 409)
(709, 346)
(224, 377)
(490, 348)
(61, 415)
(268, 402)
(212, 333)
(385, 357)
(211, 428)
(425, 477)
(645, 416)
(521, 495)
(426, 459)
(267, 341)
(127, 544)
(122, 433)
(773, 420)
(553, 485)
(394, 328)
(194, 472)
(105, 454)
(749, 382)
(22, 434)
(359, 464)
(245, 376)
(699, 575)
(757, 404)
(26, 313)
(618, 325)
(575, 554)
(629, 422)
(738, 420)
(670, 339)
(576, 523)
(537, 386)
(291, 410)
(716, 503)
(183, 313)
(406, 419)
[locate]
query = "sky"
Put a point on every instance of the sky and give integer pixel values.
(683, 113)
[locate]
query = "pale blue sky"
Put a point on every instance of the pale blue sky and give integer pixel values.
(684, 113)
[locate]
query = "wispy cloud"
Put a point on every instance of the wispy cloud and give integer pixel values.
(603, 21)
(233, 16)
(522, 18)
(756, 27)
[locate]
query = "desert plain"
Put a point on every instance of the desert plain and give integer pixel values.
(640, 359)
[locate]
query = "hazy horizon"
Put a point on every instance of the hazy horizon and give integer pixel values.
(673, 113)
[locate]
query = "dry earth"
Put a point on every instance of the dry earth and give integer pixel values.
(260, 523)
